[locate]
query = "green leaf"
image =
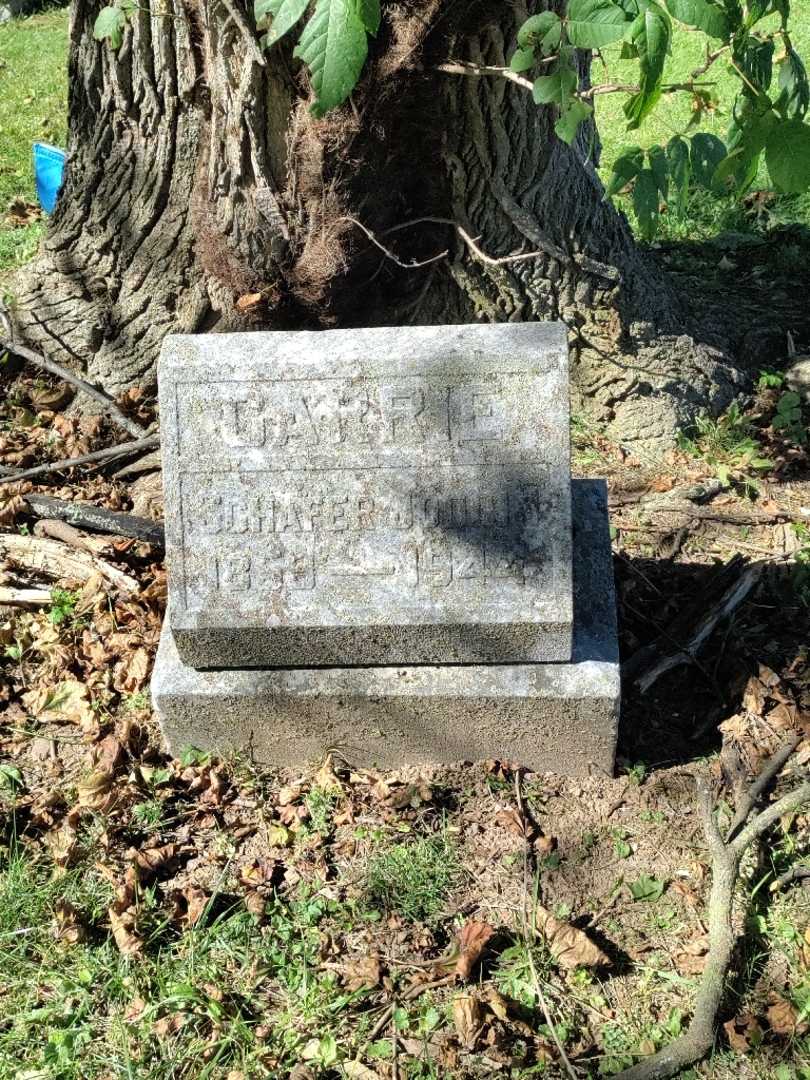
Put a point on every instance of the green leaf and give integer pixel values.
(680, 170)
(285, 14)
(787, 155)
(570, 119)
(543, 31)
(370, 14)
(647, 888)
(646, 203)
(651, 34)
(522, 60)
(334, 46)
(593, 24)
(109, 24)
(627, 166)
(748, 136)
(754, 11)
(10, 778)
(755, 59)
(660, 168)
(794, 90)
(557, 88)
(707, 153)
(702, 14)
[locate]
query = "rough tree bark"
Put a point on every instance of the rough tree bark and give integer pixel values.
(197, 177)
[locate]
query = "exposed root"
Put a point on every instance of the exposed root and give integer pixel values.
(726, 855)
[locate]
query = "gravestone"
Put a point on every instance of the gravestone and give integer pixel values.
(371, 543)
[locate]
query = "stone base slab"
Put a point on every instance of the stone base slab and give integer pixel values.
(556, 717)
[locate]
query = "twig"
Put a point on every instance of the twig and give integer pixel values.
(710, 59)
(44, 364)
(56, 560)
(415, 265)
(541, 997)
(609, 273)
(408, 995)
(796, 873)
(698, 1038)
(96, 518)
(754, 792)
(728, 603)
(25, 597)
(123, 449)
(456, 67)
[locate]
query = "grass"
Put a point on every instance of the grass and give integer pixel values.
(706, 215)
(414, 879)
(226, 995)
(33, 106)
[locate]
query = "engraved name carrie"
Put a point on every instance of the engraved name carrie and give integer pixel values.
(394, 414)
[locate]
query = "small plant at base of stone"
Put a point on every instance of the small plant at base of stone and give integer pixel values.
(729, 447)
(63, 606)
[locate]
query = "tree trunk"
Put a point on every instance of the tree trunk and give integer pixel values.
(197, 178)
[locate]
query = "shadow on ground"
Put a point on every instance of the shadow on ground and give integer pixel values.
(661, 603)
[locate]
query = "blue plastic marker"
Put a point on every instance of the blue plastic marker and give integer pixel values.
(49, 170)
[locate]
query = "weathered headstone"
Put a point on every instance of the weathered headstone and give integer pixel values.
(368, 497)
(370, 544)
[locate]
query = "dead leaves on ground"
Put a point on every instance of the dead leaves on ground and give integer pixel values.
(471, 942)
(570, 947)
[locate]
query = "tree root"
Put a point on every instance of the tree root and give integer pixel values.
(726, 855)
(104, 400)
(108, 454)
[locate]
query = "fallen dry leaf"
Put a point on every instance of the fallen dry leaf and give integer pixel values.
(743, 1032)
(754, 697)
(467, 1019)
(69, 700)
(261, 872)
(190, 904)
(168, 1025)
(122, 924)
(289, 794)
(67, 923)
(21, 212)
(248, 301)
(362, 974)
(497, 1002)
(783, 1017)
(471, 941)
(569, 946)
(62, 843)
(135, 1010)
(513, 821)
(150, 861)
(356, 1070)
(326, 779)
(255, 904)
(95, 791)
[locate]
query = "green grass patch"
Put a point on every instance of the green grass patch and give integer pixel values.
(706, 214)
(414, 879)
(33, 108)
(229, 994)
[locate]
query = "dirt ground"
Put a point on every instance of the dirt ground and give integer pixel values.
(622, 860)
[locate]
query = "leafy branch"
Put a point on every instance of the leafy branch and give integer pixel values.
(766, 120)
(767, 112)
(333, 43)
